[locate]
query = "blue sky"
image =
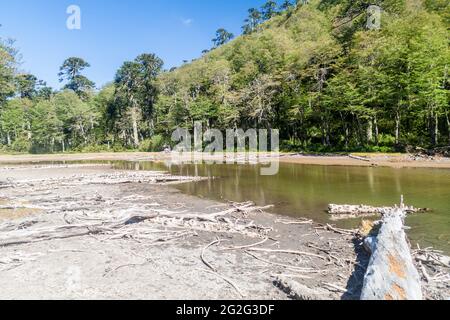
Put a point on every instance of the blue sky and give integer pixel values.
(114, 31)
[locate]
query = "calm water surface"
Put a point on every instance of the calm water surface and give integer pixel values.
(306, 190)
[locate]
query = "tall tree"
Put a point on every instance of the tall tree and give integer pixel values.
(253, 21)
(28, 86)
(70, 71)
(127, 83)
(286, 5)
(7, 69)
(269, 10)
(47, 129)
(150, 67)
(222, 37)
(136, 91)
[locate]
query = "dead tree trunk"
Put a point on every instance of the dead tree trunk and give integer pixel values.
(397, 127)
(448, 126)
(134, 119)
(370, 131)
(391, 274)
(377, 131)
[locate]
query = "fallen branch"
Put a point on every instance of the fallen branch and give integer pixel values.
(293, 252)
(229, 281)
(336, 288)
(248, 246)
(329, 227)
(294, 268)
(202, 256)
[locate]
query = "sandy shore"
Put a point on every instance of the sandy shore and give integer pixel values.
(157, 259)
(92, 232)
(370, 160)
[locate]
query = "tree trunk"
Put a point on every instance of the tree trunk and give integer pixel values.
(327, 126)
(397, 127)
(436, 129)
(152, 127)
(135, 127)
(29, 130)
(448, 126)
(83, 134)
(347, 136)
(370, 131)
(377, 132)
(8, 138)
(322, 128)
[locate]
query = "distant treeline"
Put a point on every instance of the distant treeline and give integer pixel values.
(312, 69)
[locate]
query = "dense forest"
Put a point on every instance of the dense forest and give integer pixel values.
(312, 69)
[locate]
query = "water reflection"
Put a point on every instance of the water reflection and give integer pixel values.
(306, 191)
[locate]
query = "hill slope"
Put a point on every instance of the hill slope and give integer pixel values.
(317, 74)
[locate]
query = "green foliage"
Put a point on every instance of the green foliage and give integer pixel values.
(154, 144)
(312, 70)
(71, 72)
(325, 81)
(222, 37)
(21, 144)
(7, 69)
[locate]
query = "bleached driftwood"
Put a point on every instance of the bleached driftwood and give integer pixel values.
(391, 274)
(352, 211)
(359, 158)
(125, 226)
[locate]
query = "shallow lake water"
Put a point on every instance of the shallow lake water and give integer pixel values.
(306, 190)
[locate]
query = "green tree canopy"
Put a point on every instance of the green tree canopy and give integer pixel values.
(70, 71)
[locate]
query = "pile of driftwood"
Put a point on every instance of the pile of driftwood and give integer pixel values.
(434, 269)
(155, 225)
(419, 152)
(339, 212)
(87, 213)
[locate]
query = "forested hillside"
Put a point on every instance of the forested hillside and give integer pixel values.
(311, 69)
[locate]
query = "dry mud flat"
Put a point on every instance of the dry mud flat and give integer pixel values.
(91, 232)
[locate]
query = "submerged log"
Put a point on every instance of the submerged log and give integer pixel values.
(391, 274)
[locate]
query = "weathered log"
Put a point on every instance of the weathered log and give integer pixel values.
(391, 274)
(352, 211)
(359, 158)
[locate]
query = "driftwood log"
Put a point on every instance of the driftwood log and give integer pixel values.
(359, 158)
(391, 274)
(353, 211)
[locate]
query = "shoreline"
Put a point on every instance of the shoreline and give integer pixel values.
(239, 255)
(369, 160)
(203, 249)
